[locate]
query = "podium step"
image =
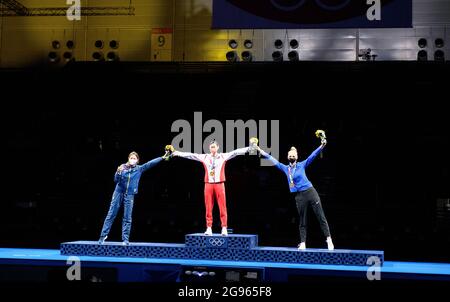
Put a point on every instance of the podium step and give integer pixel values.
(232, 241)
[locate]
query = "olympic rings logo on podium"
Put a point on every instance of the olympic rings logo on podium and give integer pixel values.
(299, 3)
(216, 241)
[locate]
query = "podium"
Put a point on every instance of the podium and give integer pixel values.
(234, 247)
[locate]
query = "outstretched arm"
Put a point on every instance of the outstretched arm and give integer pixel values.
(271, 158)
(188, 155)
(314, 154)
(151, 163)
(234, 153)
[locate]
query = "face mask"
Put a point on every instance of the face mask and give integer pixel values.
(292, 160)
(132, 162)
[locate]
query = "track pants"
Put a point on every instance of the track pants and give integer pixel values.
(116, 202)
(307, 198)
(217, 191)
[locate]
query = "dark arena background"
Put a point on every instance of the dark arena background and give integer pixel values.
(80, 92)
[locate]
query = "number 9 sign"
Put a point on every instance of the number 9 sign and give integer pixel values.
(161, 45)
(161, 41)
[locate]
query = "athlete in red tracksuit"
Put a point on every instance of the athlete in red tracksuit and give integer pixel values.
(214, 164)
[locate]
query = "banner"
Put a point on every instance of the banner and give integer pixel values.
(283, 14)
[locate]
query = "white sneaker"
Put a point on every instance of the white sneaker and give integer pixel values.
(102, 240)
(302, 246)
(208, 231)
(224, 232)
(330, 244)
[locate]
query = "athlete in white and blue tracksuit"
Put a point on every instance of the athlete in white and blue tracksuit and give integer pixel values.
(304, 192)
(127, 182)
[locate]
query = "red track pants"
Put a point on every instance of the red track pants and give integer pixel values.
(216, 190)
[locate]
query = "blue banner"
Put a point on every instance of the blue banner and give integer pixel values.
(282, 14)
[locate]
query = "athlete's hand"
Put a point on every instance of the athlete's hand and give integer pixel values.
(169, 152)
(261, 151)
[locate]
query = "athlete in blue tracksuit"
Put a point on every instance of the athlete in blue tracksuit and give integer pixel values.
(304, 192)
(127, 182)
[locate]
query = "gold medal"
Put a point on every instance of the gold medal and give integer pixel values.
(292, 185)
(212, 173)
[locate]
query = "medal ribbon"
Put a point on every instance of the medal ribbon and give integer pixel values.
(291, 174)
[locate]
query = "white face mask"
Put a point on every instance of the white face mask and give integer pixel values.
(132, 162)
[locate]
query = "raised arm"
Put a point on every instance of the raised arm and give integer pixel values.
(314, 154)
(188, 155)
(234, 153)
(151, 164)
